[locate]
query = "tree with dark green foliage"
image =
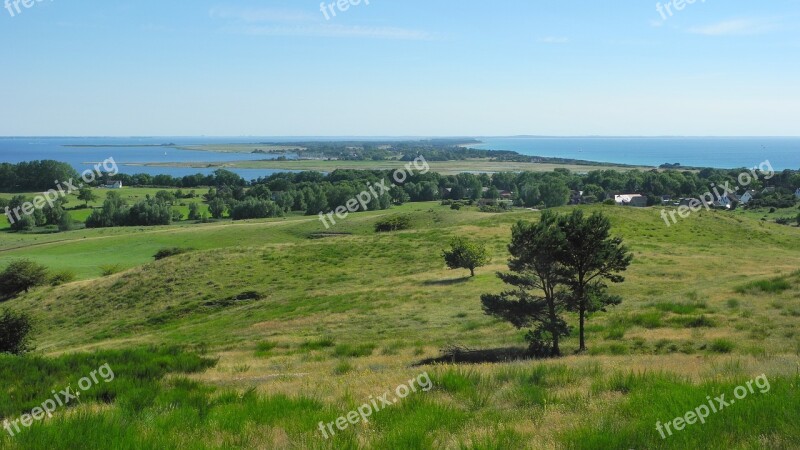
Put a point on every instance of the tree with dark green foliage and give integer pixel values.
(87, 195)
(194, 211)
(554, 192)
(464, 254)
(537, 299)
(591, 257)
(65, 223)
(21, 275)
(217, 208)
(15, 329)
(395, 223)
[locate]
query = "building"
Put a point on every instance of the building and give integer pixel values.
(747, 196)
(635, 200)
(728, 201)
(111, 184)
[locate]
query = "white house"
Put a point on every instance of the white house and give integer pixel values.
(747, 196)
(113, 185)
(728, 200)
(634, 200)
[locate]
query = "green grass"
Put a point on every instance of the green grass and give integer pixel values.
(772, 286)
(308, 329)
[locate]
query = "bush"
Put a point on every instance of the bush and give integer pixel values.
(501, 208)
(21, 276)
(15, 332)
(62, 277)
(395, 223)
(358, 351)
(721, 346)
(110, 269)
(170, 251)
(65, 223)
(773, 286)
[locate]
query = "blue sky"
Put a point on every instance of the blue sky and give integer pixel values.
(400, 68)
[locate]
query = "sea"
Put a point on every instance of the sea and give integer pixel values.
(726, 152)
(717, 152)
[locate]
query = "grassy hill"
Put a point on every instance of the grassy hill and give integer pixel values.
(307, 327)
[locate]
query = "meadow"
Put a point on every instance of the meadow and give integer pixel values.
(476, 165)
(268, 327)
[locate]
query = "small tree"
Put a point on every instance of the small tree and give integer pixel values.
(217, 208)
(87, 195)
(591, 257)
(194, 211)
(15, 332)
(535, 269)
(21, 276)
(464, 254)
(65, 223)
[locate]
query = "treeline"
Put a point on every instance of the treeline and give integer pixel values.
(310, 193)
(34, 175)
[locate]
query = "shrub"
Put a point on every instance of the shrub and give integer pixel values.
(721, 346)
(317, 344)
(342, 368)
(21, 275)
(170, 251)
(15, 332)
(354, 351)
(66, 223)
(62, 277)
(395, 223)
(773, 286)
(110, 269)
(263, 348)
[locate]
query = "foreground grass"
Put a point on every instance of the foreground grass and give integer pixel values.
(317, 326)
(482, 407)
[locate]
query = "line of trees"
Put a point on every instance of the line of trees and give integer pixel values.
(559, 264)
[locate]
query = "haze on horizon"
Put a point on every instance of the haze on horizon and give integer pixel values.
(411, 68)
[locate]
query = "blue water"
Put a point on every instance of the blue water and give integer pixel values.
(14, 150)
(724, 153)
(783, 153)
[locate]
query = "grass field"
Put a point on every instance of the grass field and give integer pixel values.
(302, 329)
(443, 167)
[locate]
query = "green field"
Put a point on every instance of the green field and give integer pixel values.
(443, 167)
(306, 329)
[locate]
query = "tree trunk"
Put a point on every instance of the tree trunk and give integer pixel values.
(583, 322)
(556, 351)
(472, 271)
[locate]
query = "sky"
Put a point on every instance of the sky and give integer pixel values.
(400, 68)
